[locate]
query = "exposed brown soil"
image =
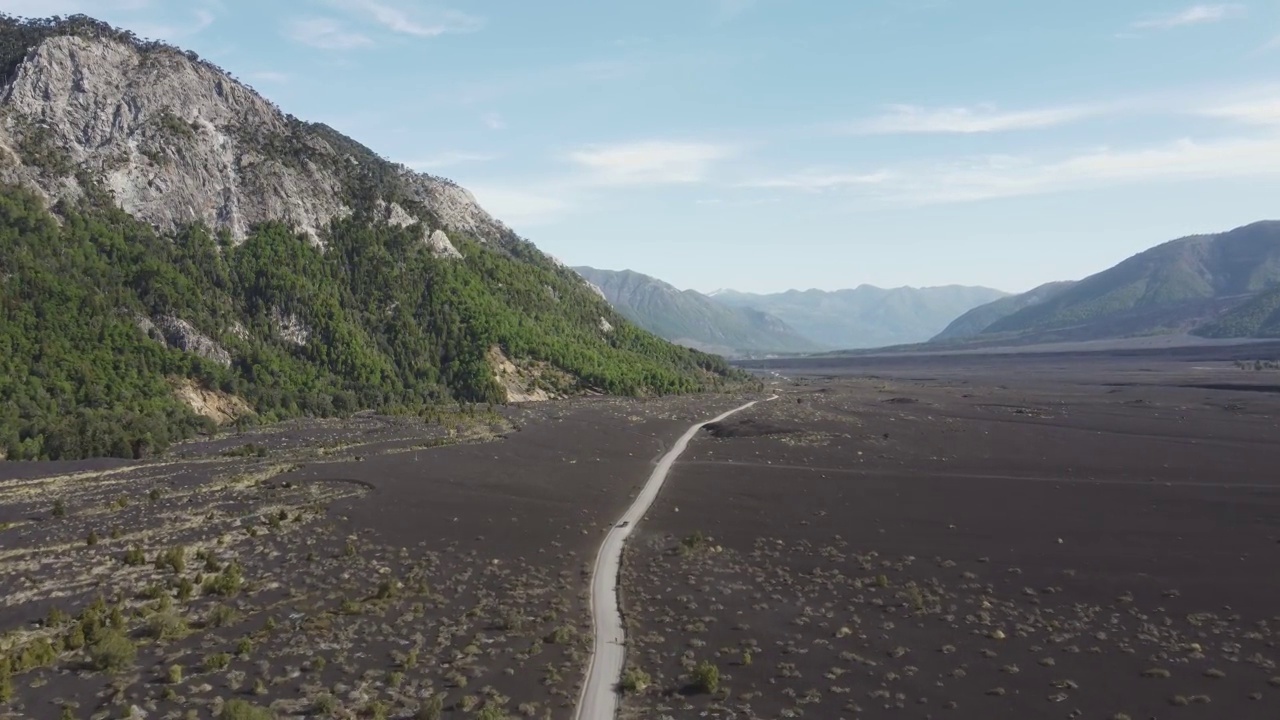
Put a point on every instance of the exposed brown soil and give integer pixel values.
(1028, 538)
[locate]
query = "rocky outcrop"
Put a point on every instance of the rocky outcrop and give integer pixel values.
(289, 328)
(182, 335)
(177, 141)
(441, 247)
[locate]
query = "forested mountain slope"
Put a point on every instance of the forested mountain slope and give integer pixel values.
(166, 231)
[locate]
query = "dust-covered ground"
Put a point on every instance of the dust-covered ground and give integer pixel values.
(374, 567)
(1091, 536)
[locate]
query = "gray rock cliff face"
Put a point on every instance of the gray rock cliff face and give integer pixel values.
(182, 335)
(176, 141)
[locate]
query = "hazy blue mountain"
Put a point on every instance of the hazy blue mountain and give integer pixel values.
(690, 318)
(866, 316)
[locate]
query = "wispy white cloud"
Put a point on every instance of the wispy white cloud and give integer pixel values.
(1194, 15)
(1004, 176)
(412, 18)
(817, 180)
(912, 119)
(326, 34)
(653, 162)
(493, 121)
(450, 159)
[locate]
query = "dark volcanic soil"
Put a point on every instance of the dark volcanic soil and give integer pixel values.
(1031, 537)
(361, 568)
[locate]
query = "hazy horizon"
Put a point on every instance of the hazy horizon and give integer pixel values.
(763, 145)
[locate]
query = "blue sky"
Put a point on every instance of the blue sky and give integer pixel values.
(774, 144)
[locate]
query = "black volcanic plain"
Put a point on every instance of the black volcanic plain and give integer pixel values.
(1069, 535)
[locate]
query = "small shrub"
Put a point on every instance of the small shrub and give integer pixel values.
(74, 639)
(92, 539)
(217, 661)
(244, 648)
(39, 653)
(432, 708)
(220, 616)
(635, 680)
(386, 590)
(706, 677)
(324, 704)
(226, 583)
(174, 558)
(186, 589)
(238, 709)
(113, 652)
(59, 508)
(6, 681)
(167, 626)
(492, 711)
(174, 675)
(562, 635)
(134, 556)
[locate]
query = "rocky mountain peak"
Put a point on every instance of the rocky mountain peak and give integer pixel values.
(175, 140)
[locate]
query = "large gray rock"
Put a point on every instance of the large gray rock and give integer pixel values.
(182, 335)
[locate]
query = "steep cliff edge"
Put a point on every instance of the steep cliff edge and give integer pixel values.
(175, 140)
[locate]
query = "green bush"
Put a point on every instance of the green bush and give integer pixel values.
(174, 558)
(112, 652)
(237, 709)
(635, 680)
(217, 661)
(432, 708)
(226, 583)
(167, 626)
(706, 677)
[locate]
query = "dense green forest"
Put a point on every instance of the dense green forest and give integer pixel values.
(392, 327)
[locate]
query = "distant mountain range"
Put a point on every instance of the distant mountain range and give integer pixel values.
(866, 316)
(1220, 285)
(692, 319)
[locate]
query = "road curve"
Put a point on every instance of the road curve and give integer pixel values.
(599, 697)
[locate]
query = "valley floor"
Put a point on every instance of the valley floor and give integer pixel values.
(374, 567)
(981, 537)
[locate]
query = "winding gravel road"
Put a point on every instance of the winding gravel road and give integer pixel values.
(599, 698)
